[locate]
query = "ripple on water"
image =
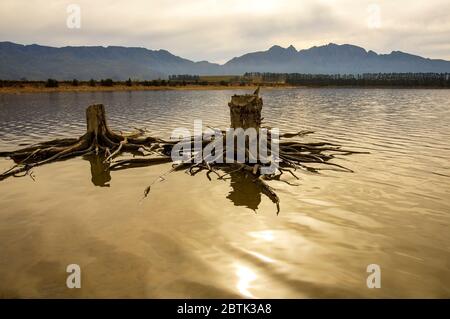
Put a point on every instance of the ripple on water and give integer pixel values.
(194, 238)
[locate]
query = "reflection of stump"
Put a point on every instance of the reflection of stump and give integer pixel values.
(245, 110)
(99, 170)
(244, 192)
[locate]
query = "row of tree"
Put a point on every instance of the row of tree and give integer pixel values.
(184, 77)
(366, 79)
(52, 83)
(270, 79)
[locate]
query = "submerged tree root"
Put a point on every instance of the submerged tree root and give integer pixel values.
(99, 139)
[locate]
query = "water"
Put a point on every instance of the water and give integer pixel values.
(196, 238)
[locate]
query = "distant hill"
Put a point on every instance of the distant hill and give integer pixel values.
(332, 59)
(35, 62)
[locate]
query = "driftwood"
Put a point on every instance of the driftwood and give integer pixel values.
(245, 111)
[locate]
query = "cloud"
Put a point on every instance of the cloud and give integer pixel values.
(217, 30)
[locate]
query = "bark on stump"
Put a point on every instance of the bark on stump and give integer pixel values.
(245, 111)
(96, 120)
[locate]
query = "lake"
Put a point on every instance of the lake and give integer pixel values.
(196, 238)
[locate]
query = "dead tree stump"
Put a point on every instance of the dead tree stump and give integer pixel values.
(245, 111)
(96, 120)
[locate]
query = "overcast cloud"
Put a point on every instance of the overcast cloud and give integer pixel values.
(217, 30)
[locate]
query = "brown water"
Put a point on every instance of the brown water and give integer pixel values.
(196, 238)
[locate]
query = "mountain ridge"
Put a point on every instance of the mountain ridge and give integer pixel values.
(37, 62)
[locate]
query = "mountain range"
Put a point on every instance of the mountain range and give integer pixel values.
(36, 62)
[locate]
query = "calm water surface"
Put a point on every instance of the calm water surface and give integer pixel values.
(196, 238)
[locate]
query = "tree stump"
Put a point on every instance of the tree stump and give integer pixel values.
(96, 120)
(245, 111)
(98, 138)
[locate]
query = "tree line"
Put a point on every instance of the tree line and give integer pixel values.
(432, 80)
(172, 81)
(365, 79)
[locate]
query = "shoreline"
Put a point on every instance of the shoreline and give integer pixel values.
(25, 89)
(123, 88)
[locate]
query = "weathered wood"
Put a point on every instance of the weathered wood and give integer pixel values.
(245, 111)
(96, 120)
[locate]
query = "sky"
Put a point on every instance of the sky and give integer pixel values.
(218, 30)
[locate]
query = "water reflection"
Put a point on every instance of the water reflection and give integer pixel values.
(260, 256)
(99, 170)
(244, 192)
(245, 277)
(266, 235)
